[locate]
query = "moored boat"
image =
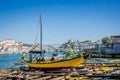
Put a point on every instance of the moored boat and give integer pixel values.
(57, 64)
(41, 63)
(71, 63)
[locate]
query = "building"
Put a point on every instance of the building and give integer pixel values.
(114, 46)
(11, 46)
(12, 49)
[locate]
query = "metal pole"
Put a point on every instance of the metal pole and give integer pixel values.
(41, 34)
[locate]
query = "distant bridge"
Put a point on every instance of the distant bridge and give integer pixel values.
(56, 46)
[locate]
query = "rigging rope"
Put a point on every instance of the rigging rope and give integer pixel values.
(33, 47)
(37, 35)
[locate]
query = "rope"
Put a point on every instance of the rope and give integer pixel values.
(34, 46)
(37, 35)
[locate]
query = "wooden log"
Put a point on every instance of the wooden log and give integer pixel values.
(33, 73)
(34, 77)
(43, 78)
(57, 78)
(53, 74)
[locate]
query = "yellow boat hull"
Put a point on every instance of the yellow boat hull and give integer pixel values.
(57, 64)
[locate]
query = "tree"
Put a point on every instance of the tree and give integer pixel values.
(69, 54)
(105, 40)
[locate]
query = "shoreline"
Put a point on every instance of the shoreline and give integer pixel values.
(9, 53)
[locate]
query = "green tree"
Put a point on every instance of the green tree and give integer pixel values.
(105, 40)
(69, 54)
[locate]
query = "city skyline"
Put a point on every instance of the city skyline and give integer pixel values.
(62, 19)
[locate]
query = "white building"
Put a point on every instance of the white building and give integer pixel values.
(115, 39)
(7, 42)
(12, 49)
(114, 45)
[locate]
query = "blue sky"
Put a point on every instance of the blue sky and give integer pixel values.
(62, 19)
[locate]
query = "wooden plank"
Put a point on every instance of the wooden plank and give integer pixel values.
(53, 74)
(43, 78)
(33, 73)
(57, 78)
(101, 63)
(33, 77)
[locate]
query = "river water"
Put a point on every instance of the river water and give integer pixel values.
(8, 60)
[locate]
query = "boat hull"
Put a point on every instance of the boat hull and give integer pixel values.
(57, 64)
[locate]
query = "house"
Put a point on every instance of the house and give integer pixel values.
(114, 45)
(12, 49)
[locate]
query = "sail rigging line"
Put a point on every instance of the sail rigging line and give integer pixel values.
(39, 29)
(37, 35)
(34, 46)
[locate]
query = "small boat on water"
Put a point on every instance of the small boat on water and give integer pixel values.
(54, 64)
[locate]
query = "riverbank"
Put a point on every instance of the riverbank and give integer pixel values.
(10, 52)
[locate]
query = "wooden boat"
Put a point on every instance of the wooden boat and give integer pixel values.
(68, 63)
(71, 63)
(42, 64)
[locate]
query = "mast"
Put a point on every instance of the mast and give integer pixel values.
(41, 34)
